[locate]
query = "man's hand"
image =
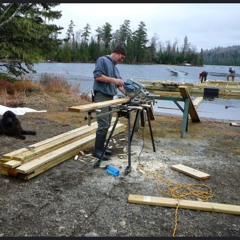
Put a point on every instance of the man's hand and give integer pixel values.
(119, 82)
(122, 89)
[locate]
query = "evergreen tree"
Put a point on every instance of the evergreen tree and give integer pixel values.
(125, 32)
(140, 40)
(86, 33)
(107, 37)
(26, 37)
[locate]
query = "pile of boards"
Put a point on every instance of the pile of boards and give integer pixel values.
(28, 162)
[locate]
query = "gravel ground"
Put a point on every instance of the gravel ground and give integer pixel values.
(74, 199)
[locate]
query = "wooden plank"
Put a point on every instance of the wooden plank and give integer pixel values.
(197, 101)
(12, 172)
(28, 155)
(190, 171)
(54, 162)
(39, 161)
(25, 154)
(192, 111)
(10, 155)
(58, 153)
(11, 164)
(61, 159)
(186, 204)
(93, 106)
(151, 112)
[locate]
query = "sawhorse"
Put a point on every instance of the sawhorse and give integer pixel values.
(185, 110)
(126, 111)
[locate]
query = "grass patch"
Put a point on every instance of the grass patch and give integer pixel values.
(14, 92)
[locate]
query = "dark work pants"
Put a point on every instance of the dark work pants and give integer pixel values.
(104, 121)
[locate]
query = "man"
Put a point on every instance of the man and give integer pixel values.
(231, 74)
(107, 81)
(203, 76)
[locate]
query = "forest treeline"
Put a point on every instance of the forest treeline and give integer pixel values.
(222, 56)
(82, 46)
(28, 35)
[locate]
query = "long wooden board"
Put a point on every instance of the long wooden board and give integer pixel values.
(12, 164)
(20, 151)
(192, 110)
(45, 148)
(191, 171)
(93, 106)
(187, 204)
(58, 153)
(26, 154)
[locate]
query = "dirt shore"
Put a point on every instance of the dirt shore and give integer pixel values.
(73, 199)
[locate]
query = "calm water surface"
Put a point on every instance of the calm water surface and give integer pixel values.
(226, 109)
(83, 72)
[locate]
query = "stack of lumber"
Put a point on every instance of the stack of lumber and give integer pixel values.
(28, 162)
(170, 88)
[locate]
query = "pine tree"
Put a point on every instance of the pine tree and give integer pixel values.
(26, 37)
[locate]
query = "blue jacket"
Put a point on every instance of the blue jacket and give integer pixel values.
(232, 71)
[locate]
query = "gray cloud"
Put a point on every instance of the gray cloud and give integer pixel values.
(206, 25)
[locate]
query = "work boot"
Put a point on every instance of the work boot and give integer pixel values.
(99, 147)
(108, 152)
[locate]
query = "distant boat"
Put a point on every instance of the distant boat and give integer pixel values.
(175, 72)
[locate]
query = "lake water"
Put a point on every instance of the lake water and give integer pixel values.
(83, 72)
(225, 109)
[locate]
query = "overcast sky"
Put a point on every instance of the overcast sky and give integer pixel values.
(206, 25)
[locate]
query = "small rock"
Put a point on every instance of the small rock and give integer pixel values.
(122, 223)
(61, 228)
(113, 231)
(91, 234)
(82, 211)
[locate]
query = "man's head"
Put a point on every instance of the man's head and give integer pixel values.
(119, 53)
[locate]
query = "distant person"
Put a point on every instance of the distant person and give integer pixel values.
(203, 76)
(232, 73)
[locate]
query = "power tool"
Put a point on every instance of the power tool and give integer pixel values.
(135, 89)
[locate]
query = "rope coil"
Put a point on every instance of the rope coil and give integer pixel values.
(178, 191)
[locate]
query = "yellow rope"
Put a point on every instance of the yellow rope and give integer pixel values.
(178, 191)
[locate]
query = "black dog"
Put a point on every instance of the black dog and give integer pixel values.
(11, 126)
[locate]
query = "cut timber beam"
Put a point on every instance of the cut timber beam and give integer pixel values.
(190, 171)
(12, 164)
(44, 143)
(197, 101)
(192, 110)
(93, 106)
(187, 204)
(26, 156)
(59, 155)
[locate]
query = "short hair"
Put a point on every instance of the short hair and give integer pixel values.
(120, 49)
